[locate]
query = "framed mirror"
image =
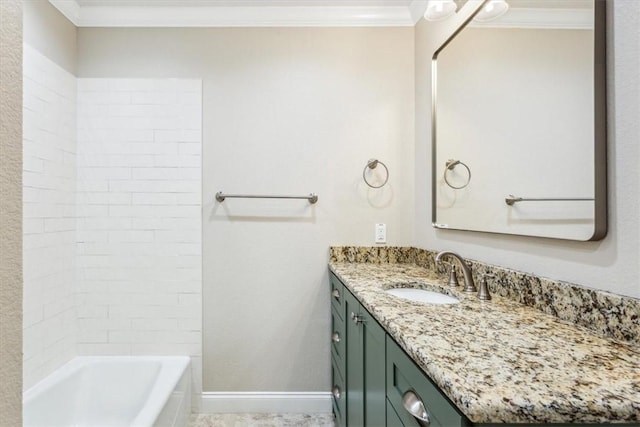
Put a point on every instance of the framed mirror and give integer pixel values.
(519, 122)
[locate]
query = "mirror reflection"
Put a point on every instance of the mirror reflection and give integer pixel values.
(518, 123)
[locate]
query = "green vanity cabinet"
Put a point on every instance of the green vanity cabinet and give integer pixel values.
(338, 396)
(392, 418)
(338, 352)
(371, 374)
(357, 359)
(406, 384)
(337, 295)
(375, 383)
(338, 334)
(338, 367)
(365, 366)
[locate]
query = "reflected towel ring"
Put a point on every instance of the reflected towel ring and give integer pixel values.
(372, 164)
(450, 165)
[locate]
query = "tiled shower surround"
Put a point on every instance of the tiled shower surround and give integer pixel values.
(112, 217)
(49, 236)
(606, 314)
(139, 275)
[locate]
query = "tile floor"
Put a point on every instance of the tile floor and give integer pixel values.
(261, 420)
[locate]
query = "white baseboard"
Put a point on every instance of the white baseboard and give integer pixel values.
(263, 402)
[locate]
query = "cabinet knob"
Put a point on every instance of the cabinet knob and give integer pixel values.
(335, 337)
(357, 318)
(336, 294)
(336, 392)
(413, 404)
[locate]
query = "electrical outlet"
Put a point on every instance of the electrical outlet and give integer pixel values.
(381, 233)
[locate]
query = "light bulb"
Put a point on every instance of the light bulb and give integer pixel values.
(439, 9)
(492, 10)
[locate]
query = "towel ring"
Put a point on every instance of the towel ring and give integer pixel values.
(449, 166)
(372, 164)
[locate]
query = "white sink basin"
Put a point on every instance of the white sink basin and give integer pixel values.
(421, 295)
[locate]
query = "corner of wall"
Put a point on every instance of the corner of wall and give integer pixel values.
(11, 212)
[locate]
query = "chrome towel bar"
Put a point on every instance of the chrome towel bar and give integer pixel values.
(220, 196)
(513, 199)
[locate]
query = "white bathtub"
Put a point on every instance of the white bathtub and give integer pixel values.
(112, 391)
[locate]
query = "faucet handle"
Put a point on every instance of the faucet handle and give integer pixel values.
(483, 292)
(469, 285)
(453, 279)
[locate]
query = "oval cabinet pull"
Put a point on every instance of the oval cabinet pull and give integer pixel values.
(335, 294)
(335, 337)
(414, 405)
(336, 391)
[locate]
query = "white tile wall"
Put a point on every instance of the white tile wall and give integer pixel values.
(139, 218)
(112, 217)
(49, 237)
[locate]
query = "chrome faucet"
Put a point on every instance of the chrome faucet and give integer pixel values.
(469, 285)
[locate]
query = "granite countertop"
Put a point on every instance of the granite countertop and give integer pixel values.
(500, 361)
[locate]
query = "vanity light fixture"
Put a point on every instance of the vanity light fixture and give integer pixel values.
(438, 10)
(492, 10)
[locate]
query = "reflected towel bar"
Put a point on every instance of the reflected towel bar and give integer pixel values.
(220, 196)
(513, 199)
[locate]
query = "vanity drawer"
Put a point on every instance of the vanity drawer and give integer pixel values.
(393, 420)
(338, 395)
(337, 294)
(338, 335)
(404, 377)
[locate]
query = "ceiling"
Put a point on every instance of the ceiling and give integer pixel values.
(239, 13)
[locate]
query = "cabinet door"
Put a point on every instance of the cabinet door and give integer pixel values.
(355, 366)
(337, 294)
(338, 393)
(365, 352)
(338, 338)
(374, 372)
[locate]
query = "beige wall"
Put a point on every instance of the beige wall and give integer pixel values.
(10, 213)
(611, 264)
(50, 33)
(289, 111)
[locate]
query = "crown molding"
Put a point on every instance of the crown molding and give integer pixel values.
(302, 16)
(237, 16)
(69, 8)
(417, 9)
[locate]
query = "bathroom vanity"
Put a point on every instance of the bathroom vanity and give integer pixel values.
(475, 362)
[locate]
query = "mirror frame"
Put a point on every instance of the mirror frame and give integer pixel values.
(599, 123)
